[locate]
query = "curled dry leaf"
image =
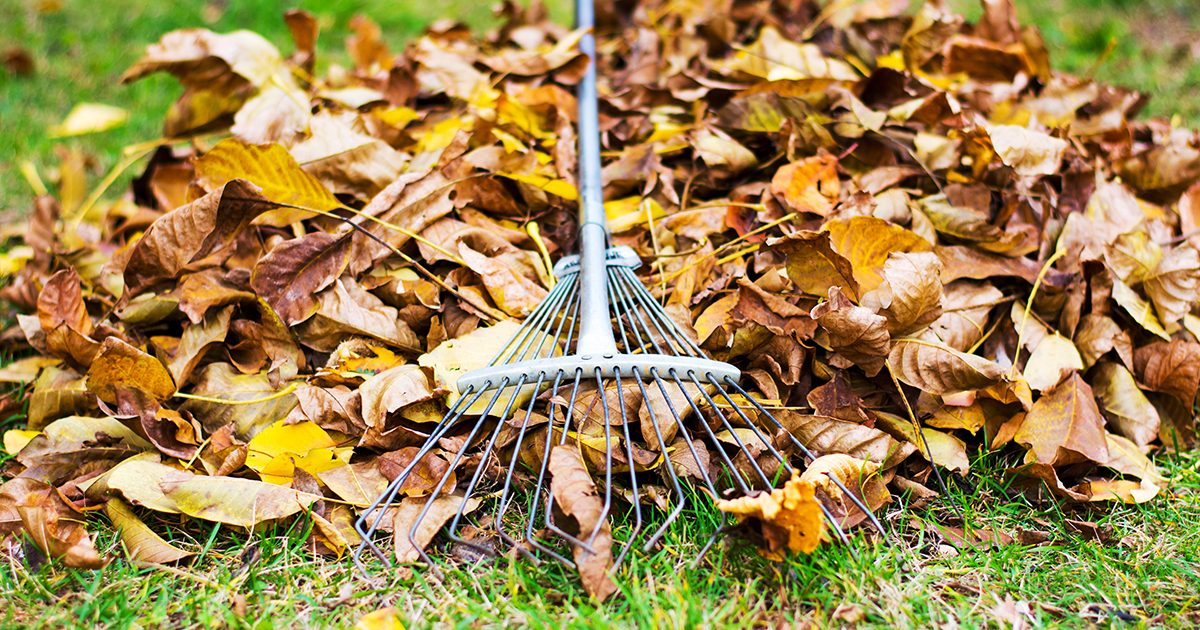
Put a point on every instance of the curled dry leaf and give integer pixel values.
(121, 365)
(575, 494)
(292, 275)
(858, 476)
(813, 265)
(193, 237)
(910, 296)
(1170, 367)
(939, 369)
(1065, 426)
(789, 518)
(49, 522)
(854, 331)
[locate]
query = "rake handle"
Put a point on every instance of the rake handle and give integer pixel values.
(595, 328)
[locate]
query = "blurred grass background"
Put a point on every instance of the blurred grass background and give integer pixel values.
(80, 48)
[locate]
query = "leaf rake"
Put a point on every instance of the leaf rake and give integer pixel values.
(596, 341)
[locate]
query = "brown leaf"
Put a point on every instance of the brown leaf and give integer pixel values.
(1171, 368)
(292, 275)
(424, 477)
(575, 494)
(836, 400)
(1065, 426)
(939, 369)
(1174, 285)
(830, 435)
(346, 309)
(51, 524)
(911, 293)
(515, 294)
(197, 339)
(966, 306)
(441, 509)
(813, 265)
(854, 332)
(120, 364)
(193, 237)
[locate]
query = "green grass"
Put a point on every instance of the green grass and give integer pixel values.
(1145, 575)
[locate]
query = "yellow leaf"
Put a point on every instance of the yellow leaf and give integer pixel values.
(272, 168)
(282, 468)
(626, 213)
(382, 619)
(790, 516)
(89, 118)
(272, 451)
(557, 187)
(16, 439)
(453, 358)
(141, 543)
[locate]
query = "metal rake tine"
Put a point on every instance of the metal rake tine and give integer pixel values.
(482, 467)
(386, 497)
(626, 295)
(540, 485)
(607, 459)
(637, 503)
(502, 505)
(657, 315)
(687, 438)
(522, 341)
(808, 453)
(433, 496)
(674, 514)
(729, 427)
(568, 414)
(700, 420)
(841, 534)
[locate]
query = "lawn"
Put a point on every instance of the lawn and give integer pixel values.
(1102, 565)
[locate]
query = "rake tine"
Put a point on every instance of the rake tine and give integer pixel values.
(607, 459)
(637, 503)
(829, 517)
(541, 480)
(674, 514)
(482, 467)
(433, 496)
(389, 494)
(569, 413)
(512, 467)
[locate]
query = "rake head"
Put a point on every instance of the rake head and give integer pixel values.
(648, 415)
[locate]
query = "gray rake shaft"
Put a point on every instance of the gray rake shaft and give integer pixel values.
(609, 329)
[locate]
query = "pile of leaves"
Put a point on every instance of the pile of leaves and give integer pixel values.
(915, 238)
